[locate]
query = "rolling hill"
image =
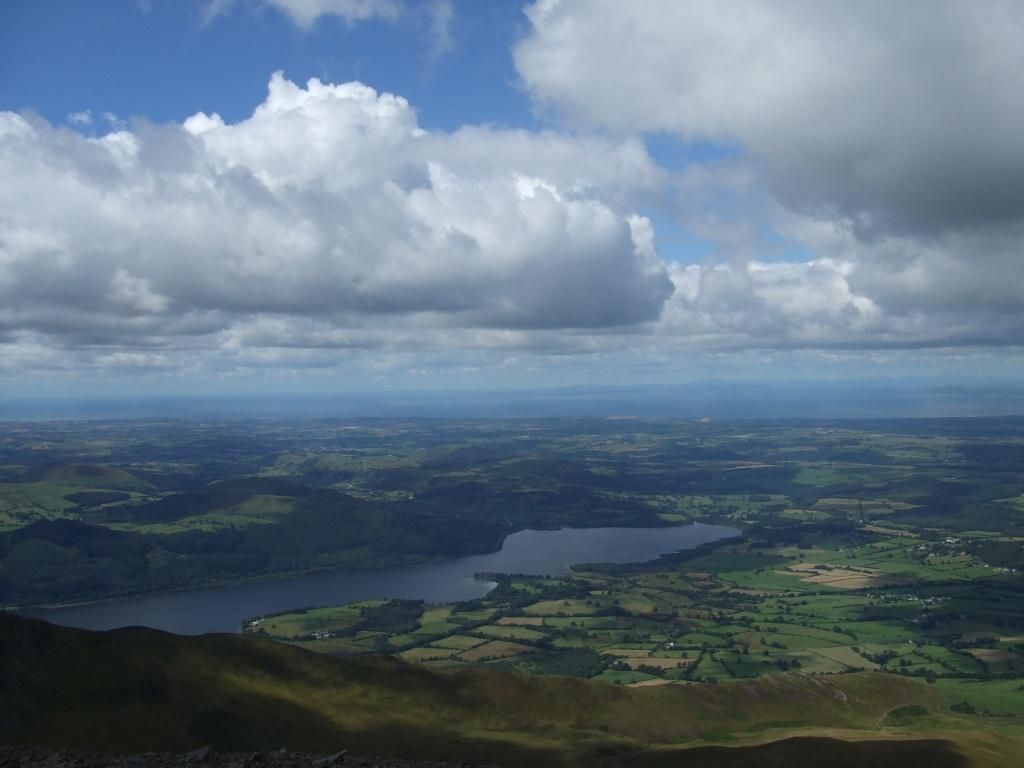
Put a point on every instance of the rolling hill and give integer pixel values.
(138, 690)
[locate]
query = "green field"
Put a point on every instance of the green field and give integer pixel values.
(695, 621)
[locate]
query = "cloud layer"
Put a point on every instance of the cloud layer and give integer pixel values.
(868, 194)
(885, 137)
(326, 216)
(899, 116)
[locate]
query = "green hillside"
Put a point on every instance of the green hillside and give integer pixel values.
(138, 689)
(85, 476)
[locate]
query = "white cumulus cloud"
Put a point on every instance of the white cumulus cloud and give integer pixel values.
(305, 13)
(329, 211)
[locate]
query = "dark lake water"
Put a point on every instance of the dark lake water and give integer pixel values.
(222, 609)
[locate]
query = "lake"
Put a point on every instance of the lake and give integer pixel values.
(223, 608)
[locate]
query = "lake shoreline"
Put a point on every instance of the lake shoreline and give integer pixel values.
(28, 610)
(31, 608)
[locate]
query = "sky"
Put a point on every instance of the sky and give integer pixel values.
(216, 196)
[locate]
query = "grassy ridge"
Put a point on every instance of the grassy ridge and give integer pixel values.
(138, 689)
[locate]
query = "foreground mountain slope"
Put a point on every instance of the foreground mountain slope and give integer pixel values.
(139, 690)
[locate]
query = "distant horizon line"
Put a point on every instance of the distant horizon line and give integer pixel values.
(812, 399)
(932, 383)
